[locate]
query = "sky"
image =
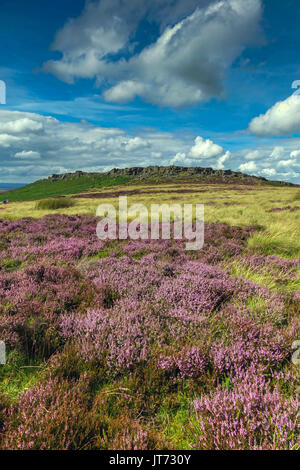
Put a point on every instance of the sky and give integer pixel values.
(95, 85)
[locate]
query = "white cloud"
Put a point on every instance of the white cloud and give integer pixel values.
(205, 153)
(186, 65)
(277, 153)
(19, 126)
(273, 162)
(68, 146)
(248, 167)
(65, 146)
(135, 144)
(180, 159)
(268, 172)
(204, 149)
(281, 120)
(125, 91)
(224, 158)
(253, 155)
(6, 140)
(286, 163)
(28, 155)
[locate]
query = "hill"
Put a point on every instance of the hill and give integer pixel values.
(78, 182)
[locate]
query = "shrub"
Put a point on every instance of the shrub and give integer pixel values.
(114, 346)
(55, 203)
(251, 415)
(55, 415)
(67, 415)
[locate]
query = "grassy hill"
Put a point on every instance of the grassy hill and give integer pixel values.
(62, 187)
(78, 182)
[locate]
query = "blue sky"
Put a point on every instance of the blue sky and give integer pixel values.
(102, 84)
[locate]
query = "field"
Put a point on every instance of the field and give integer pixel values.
(142, 344)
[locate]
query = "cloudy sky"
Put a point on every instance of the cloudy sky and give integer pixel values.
(92, 85)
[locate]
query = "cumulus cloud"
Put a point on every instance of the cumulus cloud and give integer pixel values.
(278, 162)
(286, 163)
(277, 153)
(68, 146)
(253, 155)
(224, 158)
(18, 126)
(281, 120)
(135, 144)
(248, 167)
(205, 149)
(204, 152)
(186, 64)
(64, 146)
(268, 172)
(6, 140)
(28, 155)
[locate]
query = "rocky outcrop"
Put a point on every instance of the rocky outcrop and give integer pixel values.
(166, 172)
(173, 171)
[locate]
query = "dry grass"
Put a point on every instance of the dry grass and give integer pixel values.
(244, 205)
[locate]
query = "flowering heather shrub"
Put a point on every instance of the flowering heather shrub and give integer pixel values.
(253, 347)
(50, 416)
(127, 277)
(189, 364)
(32, 300)
(123, 335)
(251, 415)
(132, 435)
(67, 415)
(122, 327)
(199, 288)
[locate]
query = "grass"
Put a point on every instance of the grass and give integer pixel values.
(278, 235)
(244, 205)
(17, 375)
(55, 203)
(47, 188)
(297, 196)
(268, 278)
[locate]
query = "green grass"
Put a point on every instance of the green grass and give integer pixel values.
(10, 264)
(46, 188)
(279, 282)
(17, 375)
(55, 203)
(283, 240)
(297, 196)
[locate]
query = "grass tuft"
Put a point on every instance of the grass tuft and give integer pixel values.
(297, 196)
(54, 203)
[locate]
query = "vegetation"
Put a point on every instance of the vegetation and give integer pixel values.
(61, 187)
(141, 344)
(55, 203)
(75, 183)
(297, 196)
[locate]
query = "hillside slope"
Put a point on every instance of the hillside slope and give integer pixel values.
(78, 182)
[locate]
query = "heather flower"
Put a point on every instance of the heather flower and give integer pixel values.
(251, 415)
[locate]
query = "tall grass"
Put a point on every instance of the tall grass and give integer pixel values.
(223, 204)
(54, 203)
(297, 196)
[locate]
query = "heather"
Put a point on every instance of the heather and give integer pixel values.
(141, 344)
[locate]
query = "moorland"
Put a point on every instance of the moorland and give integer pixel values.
(140, 344)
